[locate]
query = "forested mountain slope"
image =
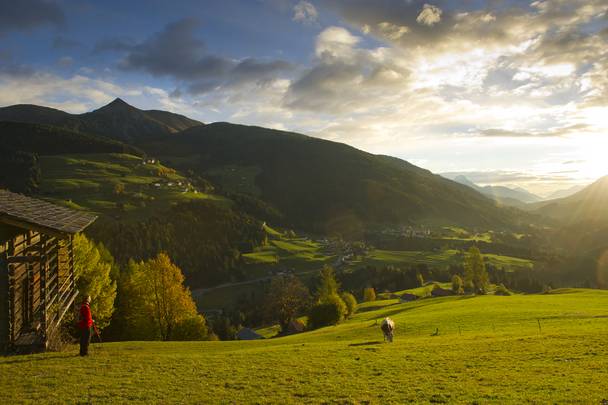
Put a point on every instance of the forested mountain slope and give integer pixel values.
(327, 186)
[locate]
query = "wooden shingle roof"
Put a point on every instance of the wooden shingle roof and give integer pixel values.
(31, 213)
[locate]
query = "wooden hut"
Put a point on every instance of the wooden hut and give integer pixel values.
(37, 285)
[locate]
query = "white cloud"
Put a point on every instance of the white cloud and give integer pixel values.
(430, 15)
(392, 31)
(335, 42)
(305, 12)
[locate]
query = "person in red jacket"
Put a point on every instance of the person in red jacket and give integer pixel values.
(85, 322)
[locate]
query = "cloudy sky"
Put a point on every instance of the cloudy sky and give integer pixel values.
(508, 92)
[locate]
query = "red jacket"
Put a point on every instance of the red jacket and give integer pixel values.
(85, 319)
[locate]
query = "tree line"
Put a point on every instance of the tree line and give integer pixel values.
(143, 300)
(205, 239)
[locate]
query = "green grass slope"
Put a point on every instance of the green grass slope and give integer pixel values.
(446, 257)
(89, 180)
(489, 350)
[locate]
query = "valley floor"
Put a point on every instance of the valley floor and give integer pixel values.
(488, 349)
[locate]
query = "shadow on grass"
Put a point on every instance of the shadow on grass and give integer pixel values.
(18, 358)
(421, 303)
(374, 308)
(374, 342)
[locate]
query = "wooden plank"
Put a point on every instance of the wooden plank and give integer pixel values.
(43, 287)
(4, 301)
(23, 259)
(11, 297)
(29, 225)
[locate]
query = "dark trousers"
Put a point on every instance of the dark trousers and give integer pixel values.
(85, 339)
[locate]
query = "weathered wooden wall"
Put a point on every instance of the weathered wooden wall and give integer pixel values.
(37, 286)
(3, 298)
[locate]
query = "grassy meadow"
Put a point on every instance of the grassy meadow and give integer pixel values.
(306, 257)
(91, 179)
(440, 258)
(486, 349)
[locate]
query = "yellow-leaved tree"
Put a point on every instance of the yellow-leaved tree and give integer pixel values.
(93, 272)
(154, 303)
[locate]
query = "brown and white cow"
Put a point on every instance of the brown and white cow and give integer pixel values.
(388, 327)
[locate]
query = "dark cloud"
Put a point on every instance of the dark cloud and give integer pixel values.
(495, 132)
(19, 15)
(15, 70)
(322, 87)
(10, 68)
(63, 43)
(253, 69)
(345, 77)
(178, 53)
(114, 45)
(552, 132)
(502, 77)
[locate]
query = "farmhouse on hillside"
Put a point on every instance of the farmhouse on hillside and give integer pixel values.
(37, 285)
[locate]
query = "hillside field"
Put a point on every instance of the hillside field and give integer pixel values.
(90, 181)
(489, 349)
(306, 257)
(440, 258)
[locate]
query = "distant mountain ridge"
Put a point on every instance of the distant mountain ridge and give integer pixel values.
(117, 120)
(516, 197)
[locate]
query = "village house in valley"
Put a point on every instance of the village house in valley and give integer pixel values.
(37, 285)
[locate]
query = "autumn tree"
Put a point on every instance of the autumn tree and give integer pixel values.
(93, 268)
(155, 304)
(287, 297)
(475, 273)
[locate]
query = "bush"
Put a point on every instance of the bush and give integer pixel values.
(369, 294)
(194, 328)
(502, 290)
(329, 312)
(351, 303)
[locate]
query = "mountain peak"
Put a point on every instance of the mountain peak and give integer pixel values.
(118, 104)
